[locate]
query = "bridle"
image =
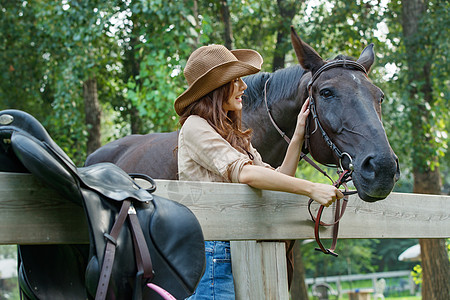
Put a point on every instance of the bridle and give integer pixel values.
(344, 173)
(312, 105)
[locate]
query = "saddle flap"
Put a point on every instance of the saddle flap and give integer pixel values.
(112, 182)
(180, 242)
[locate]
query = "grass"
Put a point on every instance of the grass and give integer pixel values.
(404, 298)
(391, 298)
(394, 288)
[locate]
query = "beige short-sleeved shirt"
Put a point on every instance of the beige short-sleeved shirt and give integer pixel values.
(203, 155)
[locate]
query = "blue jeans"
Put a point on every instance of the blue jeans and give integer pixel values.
(217, 282)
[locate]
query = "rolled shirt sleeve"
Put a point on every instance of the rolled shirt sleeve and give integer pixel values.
(203, 155)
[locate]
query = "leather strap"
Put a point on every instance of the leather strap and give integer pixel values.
(281, 132)
(339, 212)
(338, 63)
(143, 259)
(110, 251)
(338, 215)
(286, 138)
(314, 165)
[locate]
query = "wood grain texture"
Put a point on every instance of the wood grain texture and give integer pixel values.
(32, 214)
(259, 270)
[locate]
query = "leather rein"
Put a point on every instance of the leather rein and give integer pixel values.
(344, 173)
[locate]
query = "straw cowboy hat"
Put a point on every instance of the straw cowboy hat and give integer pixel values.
(210, 67)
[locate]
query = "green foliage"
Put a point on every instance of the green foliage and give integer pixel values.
(255, 27)
(387, 253)
(332, 27)
(155, 96)
(50, 49)
(8, 251)
(421, 117)
(166, 41)
(21, 62)
(137, 50)
(354, 258)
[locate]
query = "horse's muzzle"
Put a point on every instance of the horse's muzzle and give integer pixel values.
(375, 176)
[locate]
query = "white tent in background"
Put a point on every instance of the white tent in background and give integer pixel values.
(410, 254)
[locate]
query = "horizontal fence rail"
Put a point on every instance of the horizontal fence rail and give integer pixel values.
(31, 213)
(356, 277)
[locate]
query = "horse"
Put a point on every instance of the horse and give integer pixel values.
(347, 110)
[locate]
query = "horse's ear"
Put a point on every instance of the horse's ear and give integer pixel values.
(367, 57)
(306, 55)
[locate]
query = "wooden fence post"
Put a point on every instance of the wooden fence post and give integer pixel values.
(259, 270)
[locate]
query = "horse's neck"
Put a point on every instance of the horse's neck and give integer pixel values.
(267, 141)
(266, 138)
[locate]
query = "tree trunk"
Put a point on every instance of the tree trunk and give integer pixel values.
(299, 290)
(197, 24)
(433, 252)
(435, 270)
(132, 69)
(135, 121)
(287, 10)
(225, 11)
(435, 263)
(93, 114)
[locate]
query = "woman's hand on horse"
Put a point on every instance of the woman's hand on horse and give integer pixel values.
(325, 194)
(301, 121)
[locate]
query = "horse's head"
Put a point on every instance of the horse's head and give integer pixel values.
(348, 108)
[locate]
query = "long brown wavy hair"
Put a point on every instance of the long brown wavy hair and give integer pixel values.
(228, 125)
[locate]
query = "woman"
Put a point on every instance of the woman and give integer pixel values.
(213, 147)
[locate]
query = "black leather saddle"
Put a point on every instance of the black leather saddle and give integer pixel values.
(135, 237)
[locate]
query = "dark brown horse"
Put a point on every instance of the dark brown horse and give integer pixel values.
(348, 108)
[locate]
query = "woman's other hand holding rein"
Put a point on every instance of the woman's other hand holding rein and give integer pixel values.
(267, 179)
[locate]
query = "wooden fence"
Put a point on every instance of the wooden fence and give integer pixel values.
(250, 218)
(374, 277)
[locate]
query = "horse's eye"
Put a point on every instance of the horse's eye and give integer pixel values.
(382, 98)
(326, 93)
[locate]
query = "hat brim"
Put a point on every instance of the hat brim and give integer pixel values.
(218, 76)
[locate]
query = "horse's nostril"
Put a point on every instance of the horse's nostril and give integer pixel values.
(368, 167)
(376, 166)
(397, 171)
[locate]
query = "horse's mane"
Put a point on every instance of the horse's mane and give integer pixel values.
(343, 57)
(283, 84)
